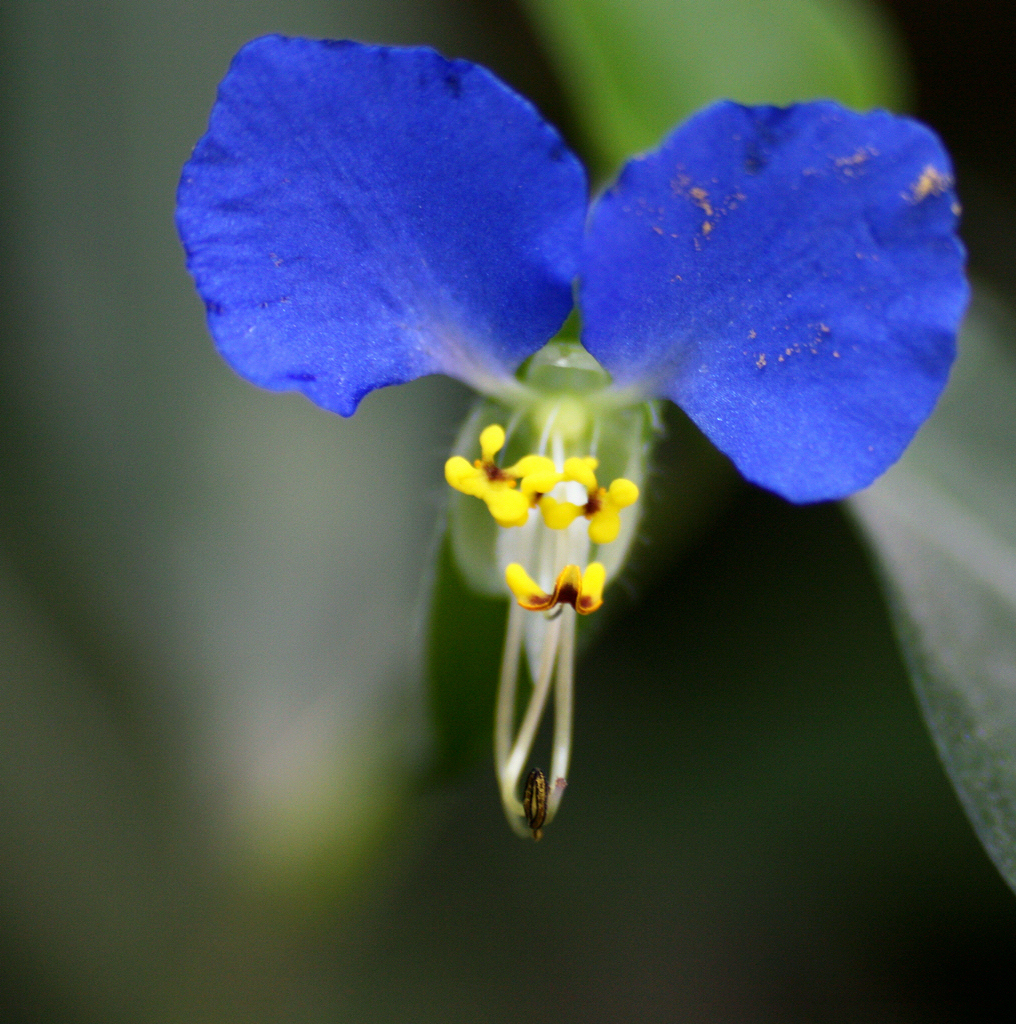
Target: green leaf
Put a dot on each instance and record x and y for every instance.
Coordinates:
(942, 523)
(464, 640)
(635, 68)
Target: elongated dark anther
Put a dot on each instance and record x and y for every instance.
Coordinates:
(534, 802)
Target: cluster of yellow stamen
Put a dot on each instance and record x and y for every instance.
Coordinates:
(602, 507)
(496, 486)
(511, 492)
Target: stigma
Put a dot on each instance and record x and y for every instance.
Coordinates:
(552, 510)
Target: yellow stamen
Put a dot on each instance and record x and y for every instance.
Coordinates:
(536, 484)
(529, 465)
(485, 480)
(601, 508)
(558, 515)
(527, 591)
(510, 492)
(581, 471)
(509, 504)
(591, 595)
(491, 442)
(605, 522)
(459, 473)
(623, 492)
(583, 592)
(509, 508)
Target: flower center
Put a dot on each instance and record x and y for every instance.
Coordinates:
(544, 552)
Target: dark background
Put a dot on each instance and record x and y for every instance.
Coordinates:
(757, 827)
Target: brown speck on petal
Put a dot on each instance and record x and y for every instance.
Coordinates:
(932, 182)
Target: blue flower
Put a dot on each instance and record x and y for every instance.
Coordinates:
(359, 216)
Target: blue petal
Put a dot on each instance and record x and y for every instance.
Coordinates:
(358, 216)
(791, 278)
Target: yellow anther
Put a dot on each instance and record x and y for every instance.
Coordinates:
(509, 508)
(531, 464)
(591, 595)
(480, 482)
(581, 471)
(583, 592)
(491, 442)
(537, 484)
(526, 590)
(461, 474)
(538, 475)
(484, 480)
(558, 515)
(604, 526)
(623, 493)
(603, 508)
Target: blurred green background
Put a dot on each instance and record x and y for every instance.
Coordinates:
(216, 796)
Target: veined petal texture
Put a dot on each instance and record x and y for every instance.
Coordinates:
(792, 279)
(358, 216)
